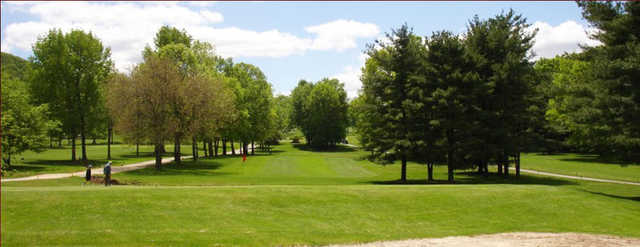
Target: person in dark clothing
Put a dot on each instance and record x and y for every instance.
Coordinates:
(87, 177)
(107, 174)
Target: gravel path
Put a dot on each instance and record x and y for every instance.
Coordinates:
(94, 171)
(527, 239)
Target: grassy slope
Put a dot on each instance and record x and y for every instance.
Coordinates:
(581, 165)
(301, 197)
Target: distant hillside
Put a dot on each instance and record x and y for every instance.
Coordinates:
(13, 66)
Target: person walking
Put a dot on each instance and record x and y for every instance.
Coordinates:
(87, 176)
(107, 174)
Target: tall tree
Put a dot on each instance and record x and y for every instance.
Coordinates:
(447, 108)
(68, 71)
(387, 81)
(499, 47)
(615, 69)
(146, 98)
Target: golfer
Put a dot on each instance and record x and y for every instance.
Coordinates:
(87, 176)
(107, 174)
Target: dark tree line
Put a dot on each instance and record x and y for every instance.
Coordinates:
(448, 99)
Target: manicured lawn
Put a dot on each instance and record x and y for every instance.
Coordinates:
(300, 197)
(581, 165)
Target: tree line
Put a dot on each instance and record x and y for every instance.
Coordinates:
(478, 98)
(466, 101)
(181, 91)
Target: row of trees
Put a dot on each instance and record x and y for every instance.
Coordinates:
(448, 99)
(320, 111)
(478, 98)
(182, 91)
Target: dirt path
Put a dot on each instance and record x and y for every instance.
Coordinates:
(528, 239)
(94, 171)
(575, 177)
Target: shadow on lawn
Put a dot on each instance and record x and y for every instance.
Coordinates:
(633, 198)
(475, 178)
(198, 168)
(594, 158)
(336, 149)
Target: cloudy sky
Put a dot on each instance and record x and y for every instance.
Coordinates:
(289, 41)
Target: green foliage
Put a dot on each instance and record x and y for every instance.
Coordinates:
(170, 35)
(389, 76)
(593, 97)
(320, 111)
(499, 48)
(69, 70)
(14, 67)
(24, 126)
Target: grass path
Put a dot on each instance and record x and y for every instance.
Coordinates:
(575, 177)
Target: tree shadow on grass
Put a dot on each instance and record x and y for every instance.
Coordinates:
(198, 168)
(475, 178)
(142, 155)
(597, 159)
(335, 149)
(633, 198)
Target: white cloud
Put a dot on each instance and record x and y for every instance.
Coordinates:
(341, 34)
(565, 37)
(213, 17)
(128, 27)
(350, 76)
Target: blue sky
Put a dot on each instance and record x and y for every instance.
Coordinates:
(289, 41)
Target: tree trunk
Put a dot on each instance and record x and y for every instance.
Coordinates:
(499, 168)
(84, 147)
(210, 147)
(137, 149)
(506, 169)
(93, 141)
(50, 141)
(430, 172)
(518, 165)
(224, 146)
(162, 148)
(176, 150)
(253, 147)
(450, 165)
(403, 176)
(233, 149)
(215, 152)
(73, 149)
(109, 140)
(158, 153)
(194, 148)
(204, 148)
(60, 142)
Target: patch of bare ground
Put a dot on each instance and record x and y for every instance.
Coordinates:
(511, 239)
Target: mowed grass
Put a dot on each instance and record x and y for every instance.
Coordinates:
(301, 197)
(584, 165)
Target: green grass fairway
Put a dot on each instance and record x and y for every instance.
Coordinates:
(581, 165)
(299, 197)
